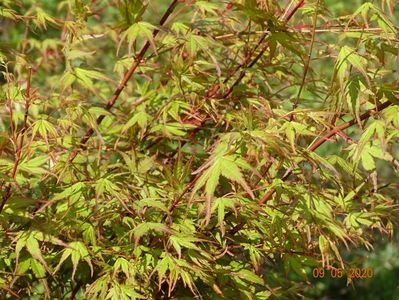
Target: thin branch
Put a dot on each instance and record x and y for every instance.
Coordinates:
(20, 135)
(325, 138)
(302, 30)
(123, 83)
(264, 48)
(216, 88)
(313, 147)
(307, 63)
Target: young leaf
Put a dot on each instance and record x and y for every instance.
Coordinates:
(348, 56)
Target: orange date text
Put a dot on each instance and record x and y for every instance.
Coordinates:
(360, 273)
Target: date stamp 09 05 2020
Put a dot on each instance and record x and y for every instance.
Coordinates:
(351, 273)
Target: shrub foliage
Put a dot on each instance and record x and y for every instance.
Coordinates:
(208, 149)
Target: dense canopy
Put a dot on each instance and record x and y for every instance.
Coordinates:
(182, 149)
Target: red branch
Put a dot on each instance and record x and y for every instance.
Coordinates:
(293, 11)
(124, 81)
(215, 88)
(325, 138)
(260, 54)
(18, 151)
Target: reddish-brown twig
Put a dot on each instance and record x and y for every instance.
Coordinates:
(18, 150)
(216, 88)
(313, 147)
(260, 54)
(123, 83)
(307, 63)
(325, 138)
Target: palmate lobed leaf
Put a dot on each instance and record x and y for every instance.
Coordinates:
(34, 165)
(85, 77)
(140, 29)
(144, 228)
(225, 166)
(229, 169)
(76, 251)
(348, 56)
(44, 128)
(217, 166)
